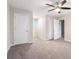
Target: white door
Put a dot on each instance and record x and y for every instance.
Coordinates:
(21, 28)
(57, 29)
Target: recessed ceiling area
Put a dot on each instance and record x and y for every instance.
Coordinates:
(38, 6)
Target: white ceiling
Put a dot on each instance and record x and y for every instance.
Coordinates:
(37, 6)
(28, 4)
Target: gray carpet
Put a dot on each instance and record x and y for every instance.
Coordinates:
(41, 49)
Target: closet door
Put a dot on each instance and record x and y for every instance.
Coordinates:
(21, 28)
(57, 29)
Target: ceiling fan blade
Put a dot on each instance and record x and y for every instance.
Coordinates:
(63, 2)
(65, 8)
(50, 5)
(51, 10)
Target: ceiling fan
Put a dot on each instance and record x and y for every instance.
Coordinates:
(58, 7)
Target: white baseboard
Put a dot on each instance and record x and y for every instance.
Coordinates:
(21, 43)
(68, 40)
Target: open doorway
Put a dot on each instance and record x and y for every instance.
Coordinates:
(35, 26)
(62, 28)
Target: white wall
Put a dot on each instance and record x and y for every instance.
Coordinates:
(10, 25)
(50, 27)
(8, 28)
(53, 27)
(68, 27)
(42, 27)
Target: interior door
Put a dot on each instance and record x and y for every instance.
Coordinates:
(57, 29)
(21, 28)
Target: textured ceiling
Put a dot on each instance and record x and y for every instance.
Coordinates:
(38, 6)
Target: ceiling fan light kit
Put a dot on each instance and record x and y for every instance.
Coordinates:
(57, 10)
